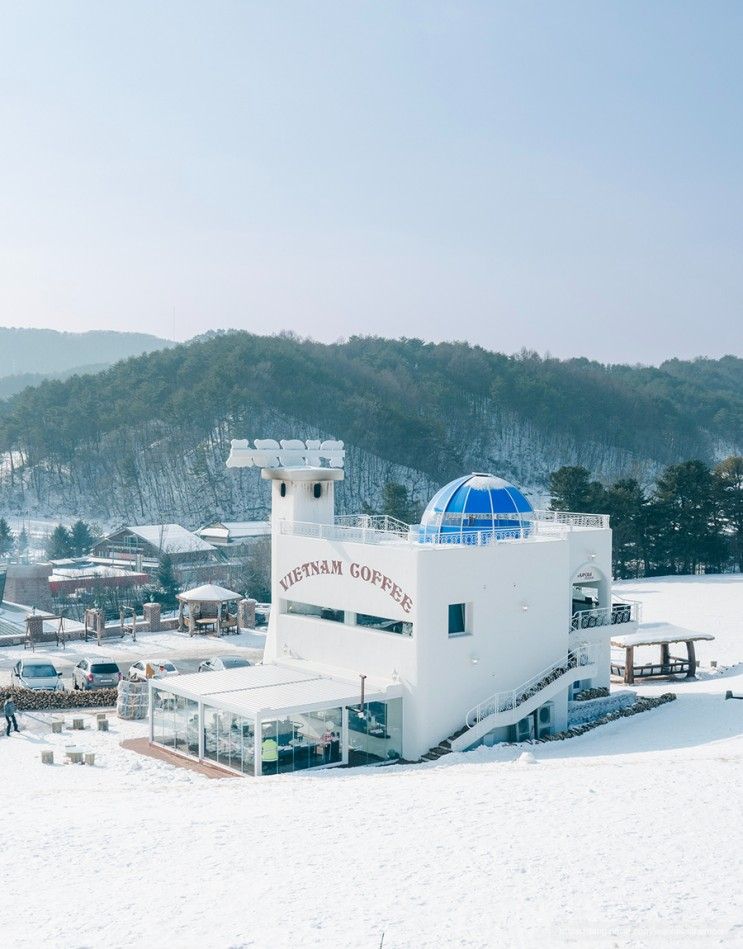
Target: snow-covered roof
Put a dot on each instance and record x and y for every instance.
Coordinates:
(655, 634)
(231, 530)
(209, 593)
(170, 538)
(275, 688)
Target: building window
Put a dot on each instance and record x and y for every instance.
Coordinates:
(457, 619)
(295, 608)
(382, 623)
(385, 625)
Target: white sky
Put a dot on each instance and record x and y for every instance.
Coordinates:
(564, 177)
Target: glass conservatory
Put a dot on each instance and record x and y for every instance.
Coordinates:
(273, 719)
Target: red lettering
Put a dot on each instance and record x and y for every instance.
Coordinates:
(407, 603)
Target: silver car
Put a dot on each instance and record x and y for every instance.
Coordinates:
(223, 662)
(36, 674)
(95, 673)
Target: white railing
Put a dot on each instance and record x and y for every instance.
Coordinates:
(359, 535)
(508, 700)
(377, 522)
(383, 529)
(570, 518)
(618, 613)
(368, 529)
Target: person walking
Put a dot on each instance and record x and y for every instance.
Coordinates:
(9, 709)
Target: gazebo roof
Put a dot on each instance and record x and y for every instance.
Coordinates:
(657, 634)
(209, 593)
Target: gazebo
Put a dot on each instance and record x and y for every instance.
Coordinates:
(208, 607)
(656, 634)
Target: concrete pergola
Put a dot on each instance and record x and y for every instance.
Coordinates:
(211, 597)
(662, 635)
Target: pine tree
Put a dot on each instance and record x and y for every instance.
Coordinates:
(572, 490)
(626, 506)
(59, 545)
(689, 532)
(81, 538)
(729, 481)
(6, 538)
(168, 586)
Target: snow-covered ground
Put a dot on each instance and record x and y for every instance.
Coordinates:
(627, 836)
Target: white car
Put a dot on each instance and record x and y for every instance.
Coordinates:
(161, 669)
(36, 674)
(223, 662)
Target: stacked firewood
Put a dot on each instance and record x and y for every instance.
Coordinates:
(28, 700)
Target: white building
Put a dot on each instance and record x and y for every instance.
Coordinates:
(479, 623)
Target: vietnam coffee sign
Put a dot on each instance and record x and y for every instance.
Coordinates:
(357, 571)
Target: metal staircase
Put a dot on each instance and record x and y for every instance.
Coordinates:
(507, 707)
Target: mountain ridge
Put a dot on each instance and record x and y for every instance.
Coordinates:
(149, 438)
(53, 352)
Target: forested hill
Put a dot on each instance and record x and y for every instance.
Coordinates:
(49, 352)
(148, 438)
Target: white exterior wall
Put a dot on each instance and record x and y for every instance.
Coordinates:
(440, 681)
(510, 643)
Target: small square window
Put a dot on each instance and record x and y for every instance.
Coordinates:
(457, 619)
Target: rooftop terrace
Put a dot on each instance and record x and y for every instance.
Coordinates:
(384, 530)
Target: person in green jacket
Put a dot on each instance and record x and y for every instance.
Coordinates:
(269, 755)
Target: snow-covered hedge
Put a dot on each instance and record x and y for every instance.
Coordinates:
(29, 700)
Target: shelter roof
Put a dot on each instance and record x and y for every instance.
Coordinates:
(657, 634)
(209, 593)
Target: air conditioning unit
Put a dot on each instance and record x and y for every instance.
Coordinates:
(579, 686)
(545, 719)
(523, 730)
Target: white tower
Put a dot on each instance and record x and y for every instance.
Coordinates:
(302, 490)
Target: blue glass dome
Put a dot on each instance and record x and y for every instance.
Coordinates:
(468, 510)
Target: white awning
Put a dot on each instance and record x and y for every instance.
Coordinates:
(658, 634)
(274, 691)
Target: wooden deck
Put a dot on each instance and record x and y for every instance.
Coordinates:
(143, 747)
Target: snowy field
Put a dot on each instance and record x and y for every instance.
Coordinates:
(627, 836)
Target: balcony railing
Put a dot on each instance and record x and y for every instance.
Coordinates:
(570, 518)
(621, 612)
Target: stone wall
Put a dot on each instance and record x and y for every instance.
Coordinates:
(588, 710)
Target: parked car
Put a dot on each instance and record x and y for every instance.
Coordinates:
(94, 673)
(36, 674)
(161, 669)
(217, 663)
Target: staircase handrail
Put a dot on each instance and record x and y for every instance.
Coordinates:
(509, 699)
